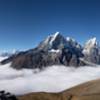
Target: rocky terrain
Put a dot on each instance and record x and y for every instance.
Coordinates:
(57, 50)
(86, 91)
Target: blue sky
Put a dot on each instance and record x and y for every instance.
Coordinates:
(24, 23)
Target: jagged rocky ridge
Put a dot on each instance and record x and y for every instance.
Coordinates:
(57, 50)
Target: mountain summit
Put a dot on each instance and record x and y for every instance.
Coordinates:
(55, 41)
(90, 44)
(58, 42)
(57, 50)
(91, 51)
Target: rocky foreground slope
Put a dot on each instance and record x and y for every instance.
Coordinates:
(86, 91)
(57, 50)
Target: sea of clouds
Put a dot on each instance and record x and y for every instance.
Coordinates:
(51, 79)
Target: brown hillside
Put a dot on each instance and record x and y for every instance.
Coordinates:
(86, 91)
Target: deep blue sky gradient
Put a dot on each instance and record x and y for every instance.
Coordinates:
(24, 23)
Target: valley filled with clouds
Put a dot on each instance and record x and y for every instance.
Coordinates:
(51, 79)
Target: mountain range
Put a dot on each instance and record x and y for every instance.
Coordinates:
(57, 50)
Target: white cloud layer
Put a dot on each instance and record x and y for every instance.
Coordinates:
(52, 79)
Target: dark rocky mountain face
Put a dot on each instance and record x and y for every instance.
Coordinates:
(38, 59)
(41, 59)
(54, 50)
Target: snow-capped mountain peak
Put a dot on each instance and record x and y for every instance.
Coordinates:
(73, 42)
(58, 41)
(54, 37)
(91, 51)
(54, 41)
(51, 38)
(91, 43)
(70, 39)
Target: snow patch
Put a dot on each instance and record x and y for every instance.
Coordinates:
(54, 37)
(2, 58)
(70, 39)
(55, 51)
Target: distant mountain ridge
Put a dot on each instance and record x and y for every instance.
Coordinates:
(7, 54)
(57, 50)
